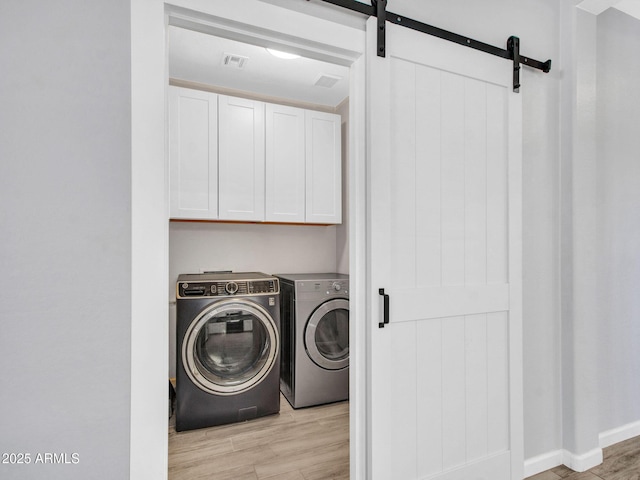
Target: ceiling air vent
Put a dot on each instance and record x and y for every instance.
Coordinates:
(327, 81)
(234, 61)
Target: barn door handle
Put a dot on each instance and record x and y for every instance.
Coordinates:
(385, 309)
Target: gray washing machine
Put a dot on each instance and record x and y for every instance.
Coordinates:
(314, 315)
(228, 344)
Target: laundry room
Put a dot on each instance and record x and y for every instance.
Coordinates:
(256, 193)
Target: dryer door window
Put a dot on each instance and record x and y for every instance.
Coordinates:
(230, 347)
(327, 335)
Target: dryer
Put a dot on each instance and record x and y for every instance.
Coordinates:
(314, 315)
(228, 344)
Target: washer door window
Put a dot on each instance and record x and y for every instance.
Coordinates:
(327, 335)
(230, 347)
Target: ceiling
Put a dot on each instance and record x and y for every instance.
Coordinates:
(596, 7)
(198, 57)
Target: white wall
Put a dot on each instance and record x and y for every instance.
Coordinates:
(65, 236)
(149, 244)
(579, 222)
(619, 222)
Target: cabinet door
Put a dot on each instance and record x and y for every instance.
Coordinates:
(193, 154)
(324, 168)
(285, 164)
(241, 159)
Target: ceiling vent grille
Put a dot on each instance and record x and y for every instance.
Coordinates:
(232, 60)
(327, 81)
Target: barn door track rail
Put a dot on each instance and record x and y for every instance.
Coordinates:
(378, 8)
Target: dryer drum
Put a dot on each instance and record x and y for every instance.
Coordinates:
(327, 335)
(230, 347)
(332, 335)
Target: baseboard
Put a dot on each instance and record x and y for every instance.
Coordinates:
(541, 463)
(619, 434)
(547, 461)
(582, 463)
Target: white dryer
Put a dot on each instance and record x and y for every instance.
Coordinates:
(314, 360)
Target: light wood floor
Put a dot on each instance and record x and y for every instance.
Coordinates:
(305, 444)
(621, 462)
(313, 444)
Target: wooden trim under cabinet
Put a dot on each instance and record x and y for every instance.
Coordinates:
(256, 222)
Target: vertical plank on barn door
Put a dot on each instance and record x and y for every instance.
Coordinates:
(445, 245)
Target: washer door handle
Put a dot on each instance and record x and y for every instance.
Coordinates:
(385, 310)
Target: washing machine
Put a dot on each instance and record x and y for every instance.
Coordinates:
(228, 344)
(314, 315)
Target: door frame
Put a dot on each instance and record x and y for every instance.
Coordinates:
(149, 216)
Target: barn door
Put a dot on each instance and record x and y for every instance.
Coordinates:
(445, 238)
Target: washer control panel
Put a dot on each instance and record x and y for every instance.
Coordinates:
(222, 288)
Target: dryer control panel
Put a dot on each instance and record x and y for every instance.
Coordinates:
(322, 288)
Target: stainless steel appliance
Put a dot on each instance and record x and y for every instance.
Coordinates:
(228, 346)
(314, 314)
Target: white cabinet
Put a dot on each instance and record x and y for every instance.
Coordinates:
(241, 159)
(323, 167)
(193, 150)
(304, 167)
(244, 160)
(285, 164)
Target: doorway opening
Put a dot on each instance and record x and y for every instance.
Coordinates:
(203, 57)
